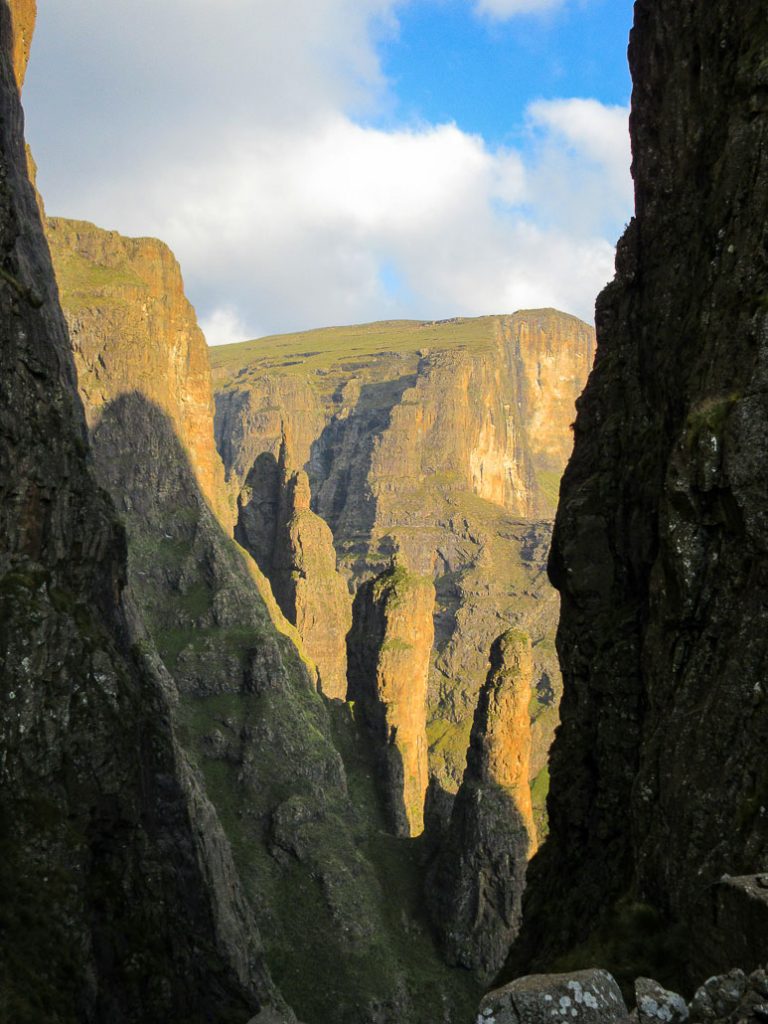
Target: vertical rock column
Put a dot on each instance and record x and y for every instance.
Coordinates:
(389, 649)
(476, 888)
(309, 590)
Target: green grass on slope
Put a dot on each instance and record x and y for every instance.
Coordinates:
(84, 283)
(311, 351)
(539, 794)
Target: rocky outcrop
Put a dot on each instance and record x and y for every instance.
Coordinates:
(659, 782)
(307, 587)
(119, 898)
(388, 649)
(733, 923)
(593, 996)
(585, 997)
(444, 441)
(476, 887)
(734, 996)
(132, 328)
(657, 1005)
(294, 548)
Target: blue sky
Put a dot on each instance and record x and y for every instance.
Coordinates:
(445, 63)
(317, 162)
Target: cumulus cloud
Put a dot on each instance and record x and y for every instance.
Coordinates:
(240, 138)
(579, 176)
(224, 327)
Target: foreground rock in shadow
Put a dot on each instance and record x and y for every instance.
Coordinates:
(659, 773)
(593, 997)
(584, 997)
(119, 897)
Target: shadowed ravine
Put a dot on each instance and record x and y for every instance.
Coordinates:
(301, 779)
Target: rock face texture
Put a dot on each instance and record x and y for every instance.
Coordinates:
(132, 328)
(734, 923)
(119, 898)
(657, 1005)
(659, 777)
(444, 441)
(389, 648)
(299, 820)
(294, 548)
(476, 888)
(23, 15)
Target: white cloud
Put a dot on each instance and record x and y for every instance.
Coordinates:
(579, 174)
(236, 136)
(509, 8)
(224, 327)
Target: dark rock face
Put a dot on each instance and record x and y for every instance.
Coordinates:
(731, 997)
(734, 923)
(476, 888)
(118, 895)
(659, 773)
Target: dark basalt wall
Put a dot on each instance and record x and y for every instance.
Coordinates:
(117, 897)
(659, 771)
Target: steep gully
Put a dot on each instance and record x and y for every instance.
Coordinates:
(247, 713)
(241, 702)
(617, 833)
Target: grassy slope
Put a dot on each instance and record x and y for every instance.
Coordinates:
(309, 352)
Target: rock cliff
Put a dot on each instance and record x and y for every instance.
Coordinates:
(476, 887)
(444, 441)
(300, 820)
(388, 651)
(659, 782)
(119, 897)
(23, 15)
(132, 328)
(294, 548)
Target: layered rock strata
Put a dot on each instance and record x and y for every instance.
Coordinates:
(659, 779)
(389, 647)
(132, 328)
(444, 441)
(119, 898)
(476, 887)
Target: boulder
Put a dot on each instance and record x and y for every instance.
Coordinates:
(656, 1005)
(581, 997)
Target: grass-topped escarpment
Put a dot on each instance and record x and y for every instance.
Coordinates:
(442, 440)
